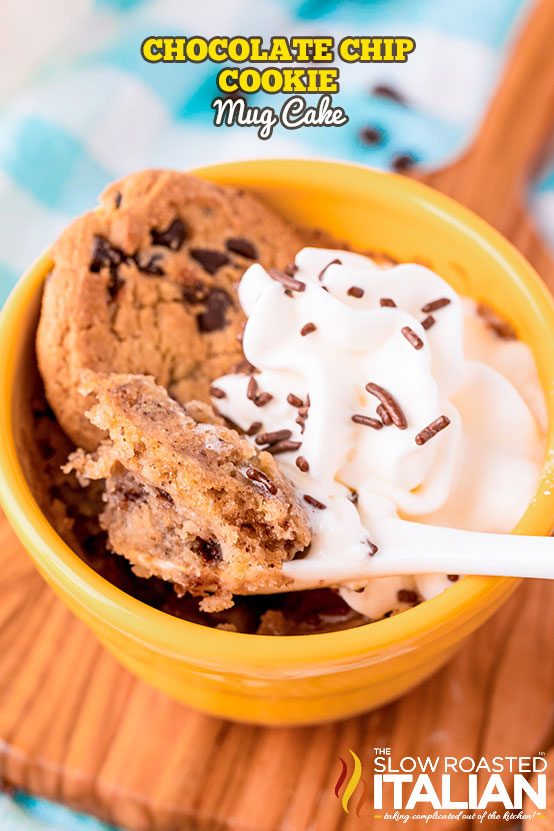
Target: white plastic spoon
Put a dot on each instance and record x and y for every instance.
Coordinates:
(414, 548)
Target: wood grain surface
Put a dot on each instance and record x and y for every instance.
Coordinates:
(77, 728)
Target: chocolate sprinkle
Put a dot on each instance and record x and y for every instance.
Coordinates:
(254, 428)
(307, 329)
(273, 437)
(390, 403)
(412, 338)
(217, 392)
(302, 464)
(355, 291)
(315, 503)
(434, 305)
(283, 446)
(323, 270)
(243, 247)
(288, 282)
(453, 577)
(432, 429)
(427, 322)
(261, 478)
(210, 260)
(303, 414)
(367, 421)
(262, 399)
(117, 200)
(294, 400)
(172, 237)
(373, 549)
(407, 596)
(252, 389)
(387, 301)
(353, 497)
(383, 414)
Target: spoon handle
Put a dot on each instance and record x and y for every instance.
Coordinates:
(414, 548)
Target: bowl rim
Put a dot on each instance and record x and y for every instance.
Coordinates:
(98, 598)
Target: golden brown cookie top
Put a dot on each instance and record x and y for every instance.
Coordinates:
(146, 284)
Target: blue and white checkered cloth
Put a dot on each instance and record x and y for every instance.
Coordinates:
(79, 107)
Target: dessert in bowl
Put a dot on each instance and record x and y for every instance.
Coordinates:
(340, 664)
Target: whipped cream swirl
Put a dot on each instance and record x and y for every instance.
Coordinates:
(383, 391)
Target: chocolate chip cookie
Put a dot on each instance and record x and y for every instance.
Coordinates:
(187, 498)
(146, 283)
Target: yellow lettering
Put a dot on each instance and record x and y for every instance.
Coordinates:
(227, 79)
(151, 49)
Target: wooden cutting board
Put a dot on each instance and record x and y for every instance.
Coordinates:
(77, 728)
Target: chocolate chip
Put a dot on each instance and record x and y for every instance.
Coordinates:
(172, 237)
(105, 255)
(117, 201)
(390, 93)
(149, 264)
(403, 161)
(242, 246)
(114, 284)
(372, 136)
(195, 293)
(214, 316)
(210, 549)
(210, 260)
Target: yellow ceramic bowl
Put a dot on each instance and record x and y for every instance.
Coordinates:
(311, 678)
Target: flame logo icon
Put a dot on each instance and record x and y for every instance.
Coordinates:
(352, 784)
